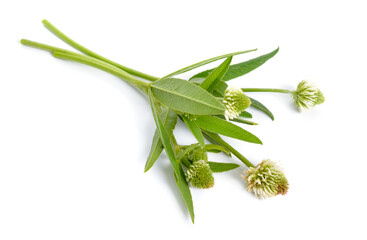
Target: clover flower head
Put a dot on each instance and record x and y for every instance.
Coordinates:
(235, 101)
(307, 95)
(200, 175)
(266, 180)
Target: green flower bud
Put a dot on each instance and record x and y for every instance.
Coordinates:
(307, 96)
(198, 154)
(235, 101)
(200, 175)
(266, 180)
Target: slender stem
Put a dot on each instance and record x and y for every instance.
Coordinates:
(90, 53)
(69, 55)
(266, 90)
(216, 139)
(185, 162)
(199, 64)
(42, 46)
(103, 66)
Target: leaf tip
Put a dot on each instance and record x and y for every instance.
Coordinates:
(193, 219)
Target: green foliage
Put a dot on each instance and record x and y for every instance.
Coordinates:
(202, 63)
(216, 76)
(217, 167)
(246, 114)
(178, 173)
(261, 107)
(186, 151)
(219, 89)
(194, 129)
(240, 69)
(169, 119)
(220, 126)
(183, 186)
(214, 148)
(196, 101)
(184, 96)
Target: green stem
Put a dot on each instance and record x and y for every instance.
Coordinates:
(42, 46)
(266, 90)
(103, 66)
(185, 162)
(69, 55)
(90, 53)
(216, 139)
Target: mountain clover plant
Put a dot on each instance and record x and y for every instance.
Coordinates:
(208, 107)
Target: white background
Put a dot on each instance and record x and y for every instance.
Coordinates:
(74, 140)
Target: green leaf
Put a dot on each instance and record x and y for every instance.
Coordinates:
(261, 107)
(216, 76)
(163, 135)
(220, 126)
(186, 151)
(194, 129)
(222, 167)
(184, 96)
(243, 121)
(169, 119)
(184, 188)
(245, 114)
(239, 120)
(214, 148)
(239, 69)
(177, 168)
(199, 64)
(219, 89)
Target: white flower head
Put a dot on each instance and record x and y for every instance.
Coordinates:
(200, 175)
(266, 180)
(307, 95)
(235, 101)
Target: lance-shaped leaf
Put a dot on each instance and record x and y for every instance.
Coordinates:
(222, 167)
(216, 76)
(244, 121)
(184, 96)
(239, 120)
(220, 126)
(239, 69)
(163, 135)
(210, 60)
(218, 90)
(169, 119)
(261, 107)
(184, 188)
(196, 131)
(177, 169)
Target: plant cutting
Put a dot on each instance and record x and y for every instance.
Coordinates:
(208, 106)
